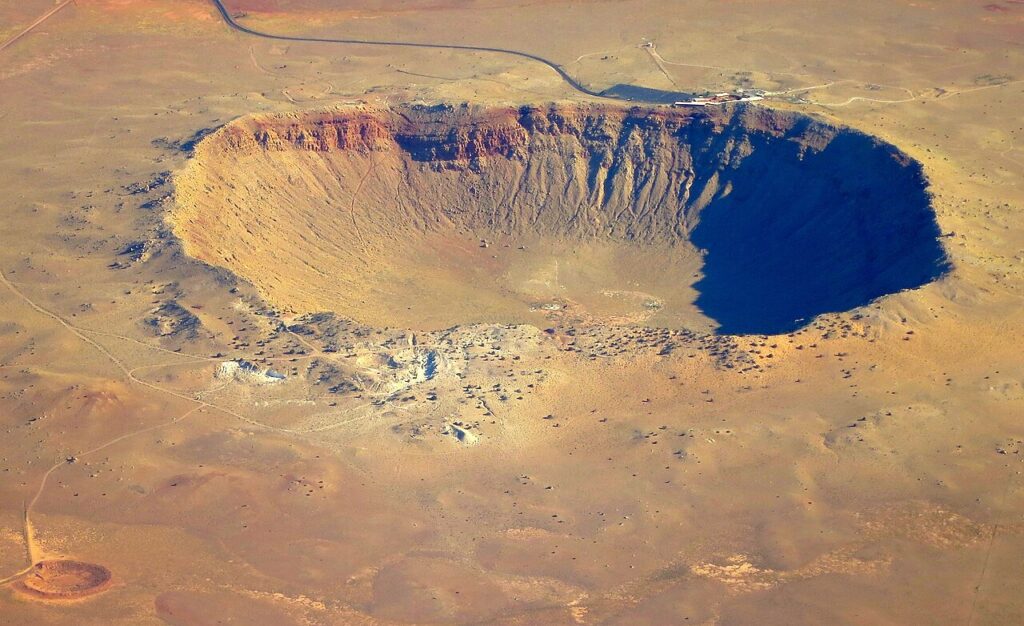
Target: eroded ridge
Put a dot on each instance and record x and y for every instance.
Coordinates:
(764, 219)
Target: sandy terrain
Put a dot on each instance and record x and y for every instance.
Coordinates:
(417, 398)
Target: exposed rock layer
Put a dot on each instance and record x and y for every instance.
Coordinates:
(796, 217)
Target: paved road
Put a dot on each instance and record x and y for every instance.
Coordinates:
(569, 80)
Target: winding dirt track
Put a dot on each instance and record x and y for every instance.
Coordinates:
(569, 80)
(30, 27)
(33, 552)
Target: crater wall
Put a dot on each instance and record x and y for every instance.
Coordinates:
(793, 217)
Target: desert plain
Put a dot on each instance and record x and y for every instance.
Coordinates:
(302, 324)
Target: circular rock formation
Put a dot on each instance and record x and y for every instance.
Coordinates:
(64, 580)
(744, 218)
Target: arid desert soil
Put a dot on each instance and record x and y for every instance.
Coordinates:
(299, 332)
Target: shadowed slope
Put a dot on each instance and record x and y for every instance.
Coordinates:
(833, 230)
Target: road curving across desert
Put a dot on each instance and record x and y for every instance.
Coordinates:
(225, 14)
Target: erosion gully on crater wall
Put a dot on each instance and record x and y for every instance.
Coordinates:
(787, 217)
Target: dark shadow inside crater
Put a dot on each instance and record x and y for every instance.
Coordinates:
(832, 231)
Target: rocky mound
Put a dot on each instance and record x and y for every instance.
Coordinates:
(360, 210)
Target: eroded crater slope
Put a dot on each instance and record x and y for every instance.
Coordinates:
(745, 218)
